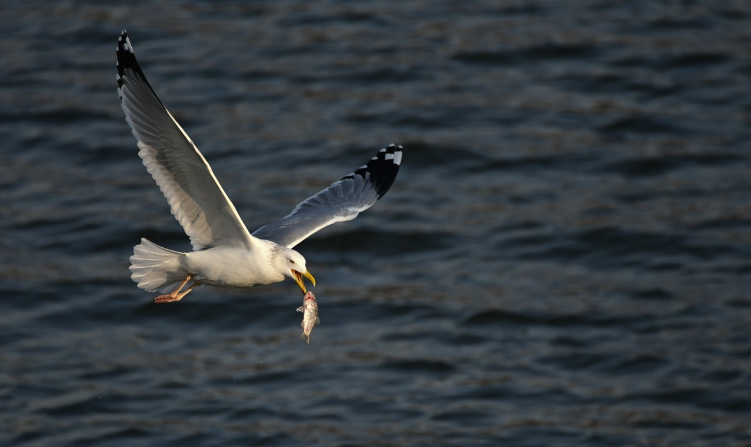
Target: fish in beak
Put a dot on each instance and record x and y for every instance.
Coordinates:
(297, 276)
(310, 318)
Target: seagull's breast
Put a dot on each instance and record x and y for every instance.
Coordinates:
(230, 267)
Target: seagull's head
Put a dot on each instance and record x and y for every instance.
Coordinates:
(294, 267)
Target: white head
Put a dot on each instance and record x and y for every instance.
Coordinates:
(292, 264)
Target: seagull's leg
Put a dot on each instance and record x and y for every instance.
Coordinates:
(175, 295)
(181, 295)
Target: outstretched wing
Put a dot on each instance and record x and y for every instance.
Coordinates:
(341, 201)
(197, 200)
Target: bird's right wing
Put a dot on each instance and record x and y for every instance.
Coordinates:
(196, 198)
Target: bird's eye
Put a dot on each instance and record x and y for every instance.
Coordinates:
(291, 261)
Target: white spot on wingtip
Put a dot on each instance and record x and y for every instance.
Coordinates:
(389, 156)
(126, 47)
(374, 158)
(382, 150)
(398, 158)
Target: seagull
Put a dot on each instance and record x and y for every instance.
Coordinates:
(224, 253)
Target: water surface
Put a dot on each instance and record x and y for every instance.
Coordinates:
(563, 260)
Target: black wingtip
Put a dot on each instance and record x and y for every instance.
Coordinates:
(383, 168)
(126, 58)
(126, 61)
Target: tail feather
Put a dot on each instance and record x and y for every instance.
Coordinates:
(156, 268)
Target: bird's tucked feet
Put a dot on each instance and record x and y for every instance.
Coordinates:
(176, 295)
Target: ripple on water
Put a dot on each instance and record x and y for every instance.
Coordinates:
(562, 261)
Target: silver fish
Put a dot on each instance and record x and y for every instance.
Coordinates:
(310, 318)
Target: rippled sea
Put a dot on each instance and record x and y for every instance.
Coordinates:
(564, 259)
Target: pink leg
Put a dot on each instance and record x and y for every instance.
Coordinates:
(175, 295)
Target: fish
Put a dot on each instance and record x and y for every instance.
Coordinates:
(310, 318)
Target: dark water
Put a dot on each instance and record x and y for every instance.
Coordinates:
(565, 258)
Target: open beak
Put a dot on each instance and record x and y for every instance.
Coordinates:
(298, 279)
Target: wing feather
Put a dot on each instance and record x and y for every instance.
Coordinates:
(195, 196)
(342, 201)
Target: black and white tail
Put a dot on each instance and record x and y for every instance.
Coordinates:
(156, 268)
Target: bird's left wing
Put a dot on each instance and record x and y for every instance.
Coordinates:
(341, 201)
(195, 196)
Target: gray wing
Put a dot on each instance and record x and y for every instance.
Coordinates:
(341, 201)
(196, 198)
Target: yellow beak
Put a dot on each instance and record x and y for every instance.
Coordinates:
(298, 279)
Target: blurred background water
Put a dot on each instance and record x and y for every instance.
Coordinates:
(563, 260)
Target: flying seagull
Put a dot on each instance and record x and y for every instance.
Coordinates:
(224, 253)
